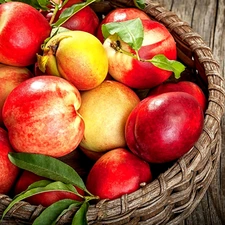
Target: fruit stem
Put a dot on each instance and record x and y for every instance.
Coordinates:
(57, 7)
(116, 46)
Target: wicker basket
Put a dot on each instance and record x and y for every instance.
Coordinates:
(175, 193)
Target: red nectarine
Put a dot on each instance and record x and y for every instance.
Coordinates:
(184, 86)
(137, 73)
(41, 116)
(163, 128)
(22, 32)
(117, 172)
(9, 171)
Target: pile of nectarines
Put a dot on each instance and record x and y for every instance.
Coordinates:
(66, 87)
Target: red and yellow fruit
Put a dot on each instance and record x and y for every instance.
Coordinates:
(22, 32)
(77, 56)
(104, 110)
(10, 77)
(41, 116)
(139, 73)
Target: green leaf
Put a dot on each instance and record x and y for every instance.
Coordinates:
(48, 167)
(51, 214)
(130, 31)
(80, 216)
(35, 189)
(37, 4)
(140, 4)
(162, 62)
(57, 30)
(70, 11)
(40, 183)
(71, 207)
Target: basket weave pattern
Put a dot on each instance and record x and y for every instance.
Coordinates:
(175, 193)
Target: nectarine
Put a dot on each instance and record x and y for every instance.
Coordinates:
(9, 172)
(139, 73)
(41, 116)
(104, 110)
(10, 77)
(22, 32)
(117, 172)
(77, 56)
(163, 128)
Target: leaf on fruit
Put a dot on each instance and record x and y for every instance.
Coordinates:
(140, 4)
(48, 167)
(37, 188)
(80, 216)
(52, 213)
(130, 31)
(70, 11)
(162, 62)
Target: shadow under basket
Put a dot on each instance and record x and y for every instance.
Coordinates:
(176, 192)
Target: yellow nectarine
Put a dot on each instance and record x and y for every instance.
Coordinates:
(104, 110)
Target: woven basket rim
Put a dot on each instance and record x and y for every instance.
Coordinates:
(165, 193)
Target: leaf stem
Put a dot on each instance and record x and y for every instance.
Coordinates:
(117, 48)
(89, 198)
(160, 60)
(56, 8)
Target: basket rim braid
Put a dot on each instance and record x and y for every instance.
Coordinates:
(172, 196)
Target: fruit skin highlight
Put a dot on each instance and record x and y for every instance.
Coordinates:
(41, 116)
(23, 30)
(77, 56)
(116, 173)
(163, 128)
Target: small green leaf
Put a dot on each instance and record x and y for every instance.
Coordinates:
(162, 62)
(80, 216)
(70, 11)
(3, 1)
(37, 4)
(53, 186)
(72, 206)
(51, 214)
(57, 30)
(130, 31)
(140, 4)
(48, 167)
(40, 183)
